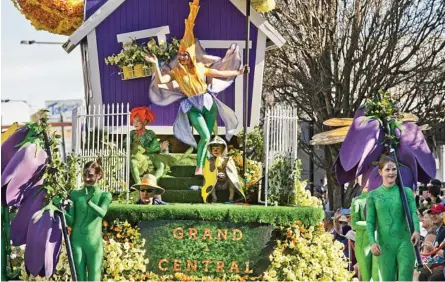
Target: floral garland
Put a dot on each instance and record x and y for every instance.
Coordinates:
(55, 16)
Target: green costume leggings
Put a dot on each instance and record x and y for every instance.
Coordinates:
(203, 121)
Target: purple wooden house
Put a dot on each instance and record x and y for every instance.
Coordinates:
(220, 23)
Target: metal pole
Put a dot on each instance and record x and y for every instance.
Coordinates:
(246, 87)
(311, 159)
(63, 139)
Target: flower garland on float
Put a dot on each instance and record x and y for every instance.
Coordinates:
(56, 16)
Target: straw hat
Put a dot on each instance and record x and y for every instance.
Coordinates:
(149, 182)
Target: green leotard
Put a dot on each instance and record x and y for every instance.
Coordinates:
(385, 212)
(144, 147)
(367, 262)
(90, 205)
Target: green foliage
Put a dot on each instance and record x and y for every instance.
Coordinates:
(216, 212)
(166, 243)
(133, 53)
(130, 55)
(285, 186)
(281, 180)
(254, 143)
(165, 52)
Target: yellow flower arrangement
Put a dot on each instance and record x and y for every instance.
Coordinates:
(307, 254)
(253, 168)
(55, 16)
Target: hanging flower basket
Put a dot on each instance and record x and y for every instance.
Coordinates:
(136, 71)
(131, 58)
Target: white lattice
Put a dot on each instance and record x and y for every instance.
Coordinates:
(101, 132)
(280, 136)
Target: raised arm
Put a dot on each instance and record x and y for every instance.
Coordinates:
(227, 73)
(160, 79)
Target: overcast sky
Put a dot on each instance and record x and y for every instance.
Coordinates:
(34, 73)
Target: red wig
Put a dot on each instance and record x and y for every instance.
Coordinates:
(144, 113)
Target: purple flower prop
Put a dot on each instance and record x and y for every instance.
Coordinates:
(364, 145)
(10, 146)
(43, 243)
(23, 172)
(31, 204)
(23, 167)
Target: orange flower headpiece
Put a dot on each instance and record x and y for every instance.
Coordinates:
(187, 43)
(144, 113)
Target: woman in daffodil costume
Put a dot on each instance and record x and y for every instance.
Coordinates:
(194, 78)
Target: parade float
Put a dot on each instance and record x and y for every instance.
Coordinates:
(46, 202)
(185, 240)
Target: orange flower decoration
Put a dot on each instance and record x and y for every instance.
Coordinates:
(144, 113)
(56, 16)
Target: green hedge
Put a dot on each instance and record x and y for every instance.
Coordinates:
(216, 212)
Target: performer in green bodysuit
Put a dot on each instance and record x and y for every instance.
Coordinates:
(367, 262)
(394, 243)
(144, 145)
(90, 205)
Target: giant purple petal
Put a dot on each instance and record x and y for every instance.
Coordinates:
(408, 177)
(9, 147)
(31, 204)
(38, 235)
(406, 157)
(412, 138)
(366, 163)
(53, 245)
(342, 175)
(359, 142)
(374, 180)
(23, 171)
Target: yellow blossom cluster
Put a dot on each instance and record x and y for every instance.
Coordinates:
(253, 168)
(307, 254)
(303, 197)
(263, 6)
(56, 16)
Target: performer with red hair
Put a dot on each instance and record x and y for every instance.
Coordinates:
(145, 146)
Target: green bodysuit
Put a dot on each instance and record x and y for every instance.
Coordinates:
(367, 262)
(90, 205)
(385, 211)
(143, 148)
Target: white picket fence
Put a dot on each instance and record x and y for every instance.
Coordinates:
(101, 132)
(280, 137)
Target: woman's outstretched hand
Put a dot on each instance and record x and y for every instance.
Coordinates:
(151, 59)
(244, 69)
